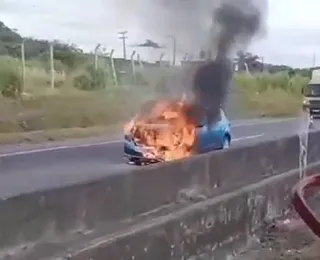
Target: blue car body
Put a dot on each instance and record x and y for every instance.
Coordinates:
(208, 138)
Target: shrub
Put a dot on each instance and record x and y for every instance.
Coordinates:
(92, 79)
(69, 59)
(82, 82)
(10, 78)
(271, 95)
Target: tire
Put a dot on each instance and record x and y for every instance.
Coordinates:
(226, 143)
(134, 161)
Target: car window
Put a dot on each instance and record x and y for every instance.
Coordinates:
(312, 90)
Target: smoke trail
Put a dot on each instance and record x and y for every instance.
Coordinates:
(220, 26)
(234, 25)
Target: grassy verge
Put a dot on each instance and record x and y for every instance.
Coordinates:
(89, 108)
(41, 114)
(67, 113)
(34, 137)
(271, 95)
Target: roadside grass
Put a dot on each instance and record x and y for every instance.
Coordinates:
(50, 135)
(271, 95)
(64, 108)
(44, 114)
(65, 114)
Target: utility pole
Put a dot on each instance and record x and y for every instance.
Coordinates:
(23, 63)
(314, 60)
(96, 56)
(123, 37)
(174, 48)
(262, 65)
(52, 65)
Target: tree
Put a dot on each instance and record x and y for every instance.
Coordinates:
(69, 59)
(10, 43)
(248, 60)
(241, 60)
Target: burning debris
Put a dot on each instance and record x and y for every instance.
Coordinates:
(232, 25)
(166, 132)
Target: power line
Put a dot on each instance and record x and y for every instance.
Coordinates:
(123, 37)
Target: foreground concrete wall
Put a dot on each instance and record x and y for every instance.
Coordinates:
(50, 221)
(215, 228)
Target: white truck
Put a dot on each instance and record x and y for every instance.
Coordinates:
(311, 94)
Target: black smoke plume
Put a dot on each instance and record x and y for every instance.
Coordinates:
(221, 27)
(236, 23)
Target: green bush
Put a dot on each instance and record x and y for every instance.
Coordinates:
(264, 82)
(271, 95)
(57, 64)
(82, 82)
(92, 79)
(10, 78)
(69, 59)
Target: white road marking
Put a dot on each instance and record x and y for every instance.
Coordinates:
(65, 147)
(246, 137)
(271, 121)
(57, 148)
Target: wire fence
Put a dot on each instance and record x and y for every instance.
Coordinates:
(53, 66)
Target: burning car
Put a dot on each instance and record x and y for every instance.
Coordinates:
(172, 129)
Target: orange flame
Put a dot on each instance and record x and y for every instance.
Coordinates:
(165, 132)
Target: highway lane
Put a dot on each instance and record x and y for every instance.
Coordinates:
(40, 168)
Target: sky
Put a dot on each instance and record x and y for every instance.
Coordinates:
(291, 37)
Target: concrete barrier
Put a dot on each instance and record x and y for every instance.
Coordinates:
(216, 228)
(39, 224)
(313, 146)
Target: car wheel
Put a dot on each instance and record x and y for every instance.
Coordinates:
(226, 143)
(134, 161)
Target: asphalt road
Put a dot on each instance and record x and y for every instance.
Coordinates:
(29, 168)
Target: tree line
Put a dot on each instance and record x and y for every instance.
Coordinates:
(11, 40)
(70, 54)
